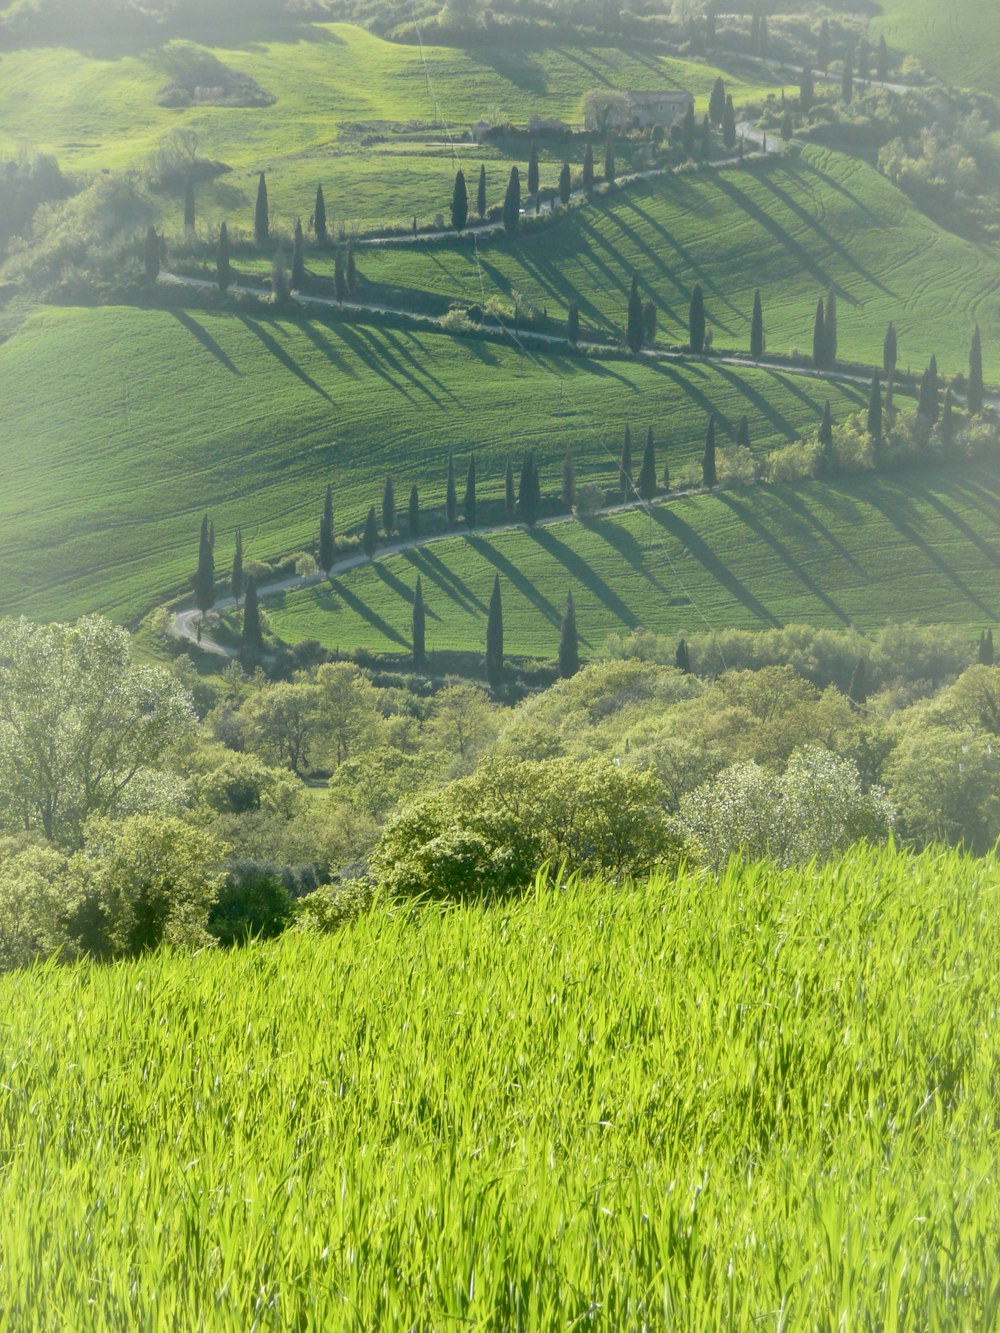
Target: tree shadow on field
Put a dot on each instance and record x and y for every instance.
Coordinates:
(967, 531)
(401, 589)
(510, 572)
(627, 546)
(278, 352)
(812, 170)
(687, 386)
(366, 613)
(515, 66)
(585, 574)
(427, 563)
(205, 338)
(669, 519)
(324, 345)
(786, 240)
(790, 497)
(363, 350)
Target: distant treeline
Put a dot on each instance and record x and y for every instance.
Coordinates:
(41, 20)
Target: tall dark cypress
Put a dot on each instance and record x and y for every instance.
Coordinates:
(529, 493)
(459, 202)
(819, 336)
(509, 498)
(987, 653)
(512, 203)
(830, 328)
(326, 533)
(665, 480)
(705, 145)
(298, 257)
(236, 578)
(757, 343)
(625, 467)
(261, 214)
(948, 420)
(189, 218)
(588, 171)
(151, 255)
(252, 634)
(633, 327)
(469, 499)
(743, 431)
(351, 271)
(534, 178)
(413, 514)
(569, 641)
(339, 277)
(974, 394)
(682, 659)
(823, 47)
(826, 437)
(696, 320)
(573, 322)
(927, 402)
(450, 494)
(708, 473)
(481, 193)
(569, 480)
(875, 409)
(389, 506)
(494, 638)
(565, 185)
(204, 579)
(688, 131)
(857, 691)
(647, 473)
(369, 536)
(609, 164)
(418, 626)
(847, 79)
(882, 61)
(807, 90)
(319, 215)
(729, 125)
(223, 267)
(889, 350)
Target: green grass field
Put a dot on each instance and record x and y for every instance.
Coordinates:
(922, 546)
(336, 86)
(957, 41)
(763, 1102)
(792, 227)
(121, 427)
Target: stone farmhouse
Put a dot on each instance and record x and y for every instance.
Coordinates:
(664, 108)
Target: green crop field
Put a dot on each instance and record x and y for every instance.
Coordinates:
(121, 427)
(762, 1101)
(924, 546)
(793, 227)
(957, 41)
(343, 99)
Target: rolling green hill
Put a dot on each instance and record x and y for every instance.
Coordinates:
(121, 427)
(922, 546)
(957, 41)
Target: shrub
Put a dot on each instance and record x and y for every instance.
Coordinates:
(252, 904)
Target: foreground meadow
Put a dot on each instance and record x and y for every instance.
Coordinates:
(765, 1100)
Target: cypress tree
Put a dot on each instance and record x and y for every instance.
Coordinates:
(469, 499)
(755, 30)
(569, 480)
(261, 216)
(729, 125)
(252, 634)
(625, 466)
(927, 403)
(857, 691)
(369, 537)
(204, 579)
(826, 437)
(529, 493)
(512, 203)
(569, 641)
(882, 61)
(807, 91)
(609, 164)
(687, 131)
(418, 626)
(948, 420)
(280, 283)
(743, 432)
(326, 546)
(481, 193)
(974, 393)
(450, 494)
(717, 102)
(633, 326)
(189, 218)
(847, 82)
(509, 500)
(875, 410)
(987, 658)
(665, 480)
(757, 343)
(459, 202)
(339, 277)
(298, 257)
(696, 320)
(889, 350)
(706, 140)
(565, 185)
(830, 328)
(319, 216)
(819, 336)
(682, 661)
(534, 178)
(588, 171)
(236, 579)
(351, 272)
(413, 514)
(494, 638)
(823, 47)
(573, 322)
(649, 323)
(708, 473)
(647, 473)
(864, 53)
(223, 267)
(762, 39)
(151, 255)
(389, 506)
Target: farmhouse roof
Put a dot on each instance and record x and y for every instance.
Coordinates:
(643, 98)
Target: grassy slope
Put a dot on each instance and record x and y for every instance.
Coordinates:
(688, 1106)
(96, 112)
(792, 228)
(957, 41)
(924, 546)
(121, 427)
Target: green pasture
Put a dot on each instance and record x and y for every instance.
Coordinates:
(957, 41)
(122, 427)
(766, 1100)
(923, 546)
(794, 227)
(344, 97)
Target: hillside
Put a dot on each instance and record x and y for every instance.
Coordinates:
(922, 546)
(957, 42)
(123, 426)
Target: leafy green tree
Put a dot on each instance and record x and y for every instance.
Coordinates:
(819, 336)
(569, 641)
(647, 473)
(534, 180)
(609, 163)
(974, 392)
(327, 550)
(298, 258)
(565, 185)
(204, 578)
(223, 267)
(717, 102)
(874, 421)
(83, 727)
(696, 320)
(319, 216)
(633, 326)
(826, 437)
(450, 494)
(529, 491)
(509, 500)
(807, 91)
(512, 203)
(889, 350)
(688, 131)
(729, 125)
(494, 638)
(481, 194)
(625, 466)
(39, 902)
(418, 626)
(459, 202)
(369, 535)
(189, 216)
(413, 514)
(573, 322)
(151, 255)
(236, 579)
(569, 480)
(830, 329)
(469, 499)
(252, 904)
(389, 506)
(708, 472)
(588, 171)
(757, 343)
(252, 634)
(946, 784)
(927, 402)
(261, 215)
